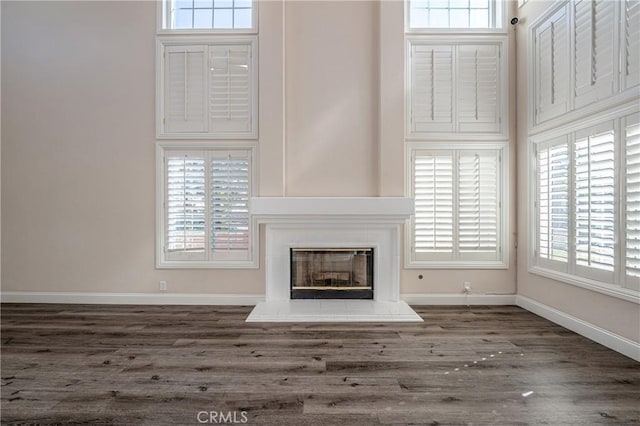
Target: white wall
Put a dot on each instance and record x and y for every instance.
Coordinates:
(78, 167)
(331, 98)
(612, 314)
(78, 164)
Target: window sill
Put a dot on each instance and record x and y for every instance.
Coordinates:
(176, 264)
(597, 286)
(421, 264)
(456, 31)
(190, 31)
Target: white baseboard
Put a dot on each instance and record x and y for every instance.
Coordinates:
(459, 299)
(600, 335)
(131, 298)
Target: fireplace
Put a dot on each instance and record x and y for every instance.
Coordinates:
(331, 273)
(350, 232)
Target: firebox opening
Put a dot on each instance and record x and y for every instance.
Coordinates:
(331, 273)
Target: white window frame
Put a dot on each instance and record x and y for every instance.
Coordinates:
(499, 19)
(503, 86)
(620, 286)
(503, 221)
(166, 41)
(162, 13)
(161, 259)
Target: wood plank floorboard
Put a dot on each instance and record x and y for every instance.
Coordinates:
(157, 365)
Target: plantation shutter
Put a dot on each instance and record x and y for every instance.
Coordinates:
(632, 207)
(595, 52)
(229, 201)
(185, 88)
(478, 93)
(433, 182)
(431, 88)
(553, 202)
(479, 206)
(594, 203)
(631, 43)
(230, 88)
(185, 208)
(552, 66)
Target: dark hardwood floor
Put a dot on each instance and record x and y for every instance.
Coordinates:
(169, 364)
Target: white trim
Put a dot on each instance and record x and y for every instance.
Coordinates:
(619, 111)
(459, 299)
(589, 284)
(599, 335)
(130, 298)
(161, 263)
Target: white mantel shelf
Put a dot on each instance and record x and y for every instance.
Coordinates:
(385, 209)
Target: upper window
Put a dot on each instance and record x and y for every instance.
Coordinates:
(459, 219)
(210, 15)
(455, 14)
(456, 86)
(207, 87)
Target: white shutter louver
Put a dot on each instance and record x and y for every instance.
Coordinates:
(230, 96)
(552, 66)
(631, 43)
(433, 193)
(479, 207)
(594, 203)
(553, 201)
(458, 212)
(208, 88)
(431, 88)
(185, 206)
(229, 201)
(594, 52)
(632, 189)
(184, 91)
(478, 94)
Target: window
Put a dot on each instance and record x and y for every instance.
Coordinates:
(207, 87)
(631, 129)
(456, 86)
(579, 220)
(594, 202)
(585, 57)
(455, 14)
(553, 202)
(229, 15)
(460, 215)
(204, 207)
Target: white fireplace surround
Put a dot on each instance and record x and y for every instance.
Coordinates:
(332, 223)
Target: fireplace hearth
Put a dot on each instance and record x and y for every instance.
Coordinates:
(334, 273)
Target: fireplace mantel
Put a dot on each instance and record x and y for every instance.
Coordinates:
(332, 222)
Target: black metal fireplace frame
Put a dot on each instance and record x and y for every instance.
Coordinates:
(347, 294)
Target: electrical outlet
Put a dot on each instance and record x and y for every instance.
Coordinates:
(162, 285)
(467, 287)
